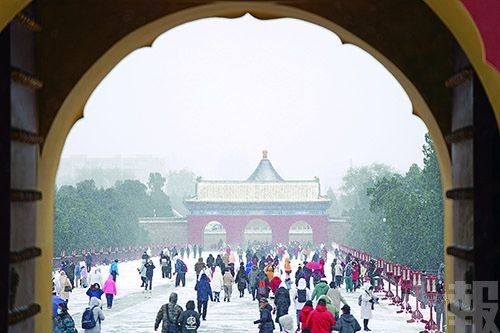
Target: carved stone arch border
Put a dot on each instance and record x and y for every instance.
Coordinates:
(72, 110)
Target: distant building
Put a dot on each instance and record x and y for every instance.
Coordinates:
(264, 207)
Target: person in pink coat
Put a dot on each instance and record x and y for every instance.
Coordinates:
(110, 290)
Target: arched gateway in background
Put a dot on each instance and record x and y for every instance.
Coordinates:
(264, 196)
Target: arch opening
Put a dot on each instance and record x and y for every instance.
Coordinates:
(257, 231)
(301, 232)
(72, 109)
(214, 235)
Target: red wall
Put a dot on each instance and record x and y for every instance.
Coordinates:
(235, 226)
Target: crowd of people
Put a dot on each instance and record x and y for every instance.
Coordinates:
(263, 271)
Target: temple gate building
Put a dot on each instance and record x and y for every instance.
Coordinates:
(264, 207)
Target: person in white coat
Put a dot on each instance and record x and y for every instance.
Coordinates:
(367, 301)
(216, 283)
(300, 296)
(96, 277)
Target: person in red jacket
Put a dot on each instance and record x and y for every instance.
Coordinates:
(304, 314)
(320, 320)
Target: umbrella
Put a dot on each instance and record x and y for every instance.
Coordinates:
(314, 265)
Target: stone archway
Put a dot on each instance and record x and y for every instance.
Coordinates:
(301, 232)
(214, 234)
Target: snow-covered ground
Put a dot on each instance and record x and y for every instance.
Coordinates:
(133, 312)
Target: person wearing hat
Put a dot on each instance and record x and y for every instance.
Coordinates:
(63, 323)
(347, 323)
(189, 319)
(265, 322)
(56, 300)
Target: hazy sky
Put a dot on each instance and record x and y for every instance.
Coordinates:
(212, 94)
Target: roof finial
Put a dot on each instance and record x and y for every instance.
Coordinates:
(264, 154)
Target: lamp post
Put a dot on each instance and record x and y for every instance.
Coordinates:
(430, 288)
(405, 285)
(389, 271)
(416, 278)
(397, 276)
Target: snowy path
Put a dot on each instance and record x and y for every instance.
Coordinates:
(133, 312)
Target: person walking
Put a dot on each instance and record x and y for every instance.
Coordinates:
(241, 279)
(169, 315)
(95, 305)
(320, 290)
(110, 290)
(88, 261)
(96, 277)
(347, 323)
(339, 272)
(189, 319)
(348, 277)
(366, 306)
(335, 296)
(198, 267)
(149, 275)
(228, 281)
(84, 283)
(320, 320)
(304, 315)
(216, 283)
(282, 302)
(113, 269)
(70, 273)
(166, 267)
(78, 275)
(204, 292)
(63, 323)
(262, 286)
(65, 286)
(265, 322)
(300, 296)
(180, 271)
(94, 291)
(252, 281)
(56, 300)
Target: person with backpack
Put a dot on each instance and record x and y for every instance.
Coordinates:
(110, 290)
(93, 316)
(262, 286)
(189, 319)
(63, 323)
(265, 322)
(300, 295)
(347, 323)
(204, 292)
(180, 272)
(241, 279)
(169, 314)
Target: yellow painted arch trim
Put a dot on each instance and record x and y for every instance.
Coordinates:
(9, 9)
(72, 109)
(460, 23)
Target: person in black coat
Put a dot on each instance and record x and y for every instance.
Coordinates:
(265, 322)
(241, 279)
(189, 319)
(149, 274)
(282, 302)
